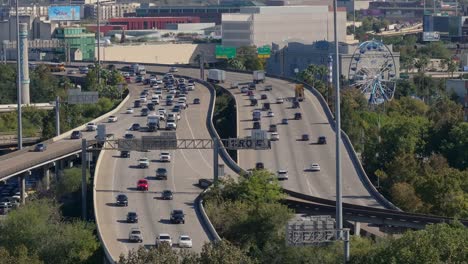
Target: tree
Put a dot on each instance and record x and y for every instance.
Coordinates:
(223, 252)
(421, 64)
(235, 64)
(160, 255)
(455, 146)
(19, 256)
(404, 196)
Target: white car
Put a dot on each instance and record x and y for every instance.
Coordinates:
(244, 90)
(143, 163)
(172, 91)
(165, 157)
(190, 87)
(314, 167)
(163, 238)
(129, 110)
(279, 100)
(252, 97)
(155, 101)
(270, 114)
(282, 175)
(171, 126)
(112, 119)
(91, 126)
(159, 81)
(182, 98)
(143, 99)
(182, 104)
(274, 136)
(173, 69)
(162, 111)
(173, 116)
(185, 241)
(135, 235)
(155, 96)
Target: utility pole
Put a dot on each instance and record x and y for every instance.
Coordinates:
(98, 42)
(202, 65)
(18, 80)
(57, 116)
(339, 209)
(83, 179)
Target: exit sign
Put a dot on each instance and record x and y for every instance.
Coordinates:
(225, 52)
(264, 52)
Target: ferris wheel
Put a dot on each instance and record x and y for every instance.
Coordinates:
(372, 70)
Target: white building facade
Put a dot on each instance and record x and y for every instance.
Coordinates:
(265, 25)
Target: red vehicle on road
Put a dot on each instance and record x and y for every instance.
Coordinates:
(142, 185)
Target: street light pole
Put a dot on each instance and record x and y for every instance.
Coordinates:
(18, 80)
(98, 42)
(339, 209)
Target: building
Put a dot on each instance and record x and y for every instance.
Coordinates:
(8, 27)
(109, 10)
(297, 55)
(207, 14)
(106, 28)
(138, 23)
(261, 26)
(459, 87)
(452, 28)
(406, 10)
(79, 42)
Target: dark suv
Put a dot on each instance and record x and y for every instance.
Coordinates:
(256, 125)
(121, 200)
(297, 116)
(322, 140)
(259, 166)
(75, 134)
(132, 217)
(161, 173)
(177, 217)
(167, 195)
(125, 154)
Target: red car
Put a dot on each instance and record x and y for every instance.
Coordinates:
(249, 93)
(142, 185)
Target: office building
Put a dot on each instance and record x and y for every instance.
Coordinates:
(109, 10)
(81, 43)
(207, 14)
(261, 26)
(452, 28)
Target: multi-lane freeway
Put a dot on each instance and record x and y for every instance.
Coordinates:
(117, 175)
(290, 152)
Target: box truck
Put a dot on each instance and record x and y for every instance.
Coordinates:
(259, 76)
(216, 76)
(153, 122)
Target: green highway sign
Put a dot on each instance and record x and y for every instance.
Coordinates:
(264, 52)
(225, 52)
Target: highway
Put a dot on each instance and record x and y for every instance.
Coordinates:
(117, 175)
(289, 152)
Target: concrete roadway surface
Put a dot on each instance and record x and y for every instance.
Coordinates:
(119, 175)
(289, 152)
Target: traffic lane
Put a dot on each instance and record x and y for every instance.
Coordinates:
(186, 181)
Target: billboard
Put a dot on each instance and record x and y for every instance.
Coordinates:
(431, 36)
(64, 13)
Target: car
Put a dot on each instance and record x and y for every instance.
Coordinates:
(121, 200)
(129, 136)
(142, 185)
(169, 102)
(273, 128)
(132, 217)
(144, 111)
(322, 140)
(165, 157)
(172, 117)
(155, 101)
(177, 217)
(167, 195)
(161, 173)
(282, 175)
(284, 121)
(279, 100)
(252, 97)
(257, 125)
(305, 137)
(266, 107)
(295, 104)
(190, 87)
(268, 87)
(297, 116)
(83, 69)
(137, 104)
(314, 167)
(253, 102)
(270, 114)
(129, 110)
(91, 126)
(40, 147)
(143, 163)
(185, 241)
(150, 106)
(259, 166)
(205, 183)
(250, 93)
(135, 127)
(139, 79)
(263, 97)
(173, 69)
(163, 238)
(171, 126)
(112, 119)
(5, 204)
(72, 72)
(274, 136)
(244, 90)
(135, 235)
(76, 134)
(252, 86)
(143, 99)
(125, 154)
(162, 111)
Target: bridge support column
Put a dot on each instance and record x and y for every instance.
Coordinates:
(357, 228)
(22, 184)
(215, 160)
(46, 177)
(83, 179)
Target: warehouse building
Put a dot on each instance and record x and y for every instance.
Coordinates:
(266, 25)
